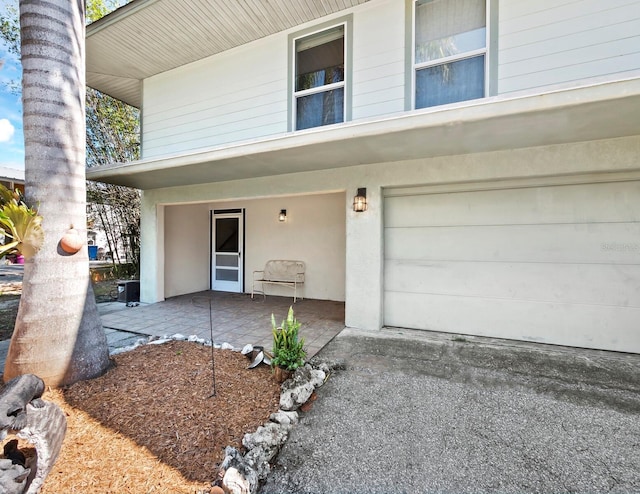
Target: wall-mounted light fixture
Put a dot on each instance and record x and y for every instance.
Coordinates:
(360, 200)
(283, 215)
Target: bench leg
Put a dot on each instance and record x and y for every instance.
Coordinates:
(253, 290)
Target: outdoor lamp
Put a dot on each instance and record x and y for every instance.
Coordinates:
(360, 200)
(283, 215)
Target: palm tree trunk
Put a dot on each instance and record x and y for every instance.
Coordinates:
(58, 334)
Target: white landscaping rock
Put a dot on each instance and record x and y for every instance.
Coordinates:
(296, 390)
(196, 339)
(285, 418)
(160, 341)
(235, 483)
(239, 476)
(260, 460)
(317, 377)
(270, 434)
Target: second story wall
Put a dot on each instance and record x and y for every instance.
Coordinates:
(245, 93)
(237, 95)
(378, 61)
(549, 42)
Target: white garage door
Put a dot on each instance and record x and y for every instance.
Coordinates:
(557, 264)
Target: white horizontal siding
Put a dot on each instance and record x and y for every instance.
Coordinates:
(378, 59)
(550, 42)
(234, 96)
(241, 94)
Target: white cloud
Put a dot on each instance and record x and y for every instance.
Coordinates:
(6, 130)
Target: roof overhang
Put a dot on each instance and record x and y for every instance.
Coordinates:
(148, 37)
(593, 112)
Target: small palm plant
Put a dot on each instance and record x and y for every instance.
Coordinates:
(288, 349)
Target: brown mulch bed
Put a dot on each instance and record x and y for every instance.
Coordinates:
(150, 425)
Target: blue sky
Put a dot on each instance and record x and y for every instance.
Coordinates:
(11, 139)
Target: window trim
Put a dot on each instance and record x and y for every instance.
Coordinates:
(489, 51)
(292, 94)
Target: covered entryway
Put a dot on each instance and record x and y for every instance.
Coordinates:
(553, 264)
(218, 245)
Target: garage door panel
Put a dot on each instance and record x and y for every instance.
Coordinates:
(558, 204)
(602, 284)
(591, 326)
(560, 243)
(557, 264)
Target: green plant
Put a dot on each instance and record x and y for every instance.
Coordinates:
(288, 349)
(20, 224)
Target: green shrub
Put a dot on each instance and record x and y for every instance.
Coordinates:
(288, 350)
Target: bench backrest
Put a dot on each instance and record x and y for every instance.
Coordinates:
(281, 270)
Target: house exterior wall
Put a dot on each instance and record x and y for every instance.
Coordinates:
(238, 95)
(242, 95)
(546, 43)
(314, 232)
(378, 61)
(584, 162)
(186, 249)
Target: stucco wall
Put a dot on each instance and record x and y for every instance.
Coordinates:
(585, 162)
(186, 249)
(314, 232)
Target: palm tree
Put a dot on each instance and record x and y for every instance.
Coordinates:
(58, 334)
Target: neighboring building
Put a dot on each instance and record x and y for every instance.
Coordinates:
(12, 178)
(498, 143)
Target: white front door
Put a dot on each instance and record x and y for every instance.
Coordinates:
(227, 241)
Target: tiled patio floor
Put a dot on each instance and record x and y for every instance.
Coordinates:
(235, 319)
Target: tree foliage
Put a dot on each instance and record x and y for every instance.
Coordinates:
(20, 224)
(113, 130)
(10, 29)
(113, 137)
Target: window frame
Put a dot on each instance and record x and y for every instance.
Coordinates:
(347, 23)
(490, 37)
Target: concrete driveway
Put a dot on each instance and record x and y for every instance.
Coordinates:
(421, 412)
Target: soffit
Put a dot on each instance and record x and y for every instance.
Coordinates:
(148, 37)
(596, 112)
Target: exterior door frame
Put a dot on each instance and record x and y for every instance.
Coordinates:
(225, 285)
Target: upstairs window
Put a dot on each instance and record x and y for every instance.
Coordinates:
(450, 51)
(319, 86)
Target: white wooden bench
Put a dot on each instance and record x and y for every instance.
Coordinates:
(279, 272)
